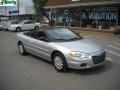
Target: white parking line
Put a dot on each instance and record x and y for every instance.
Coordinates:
(114, 53)
(117, 44)
(109, 59)
(113, 47)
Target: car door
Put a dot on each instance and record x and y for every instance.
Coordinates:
(37, 47)
(31, 24)
(42, 49)
(25, 25)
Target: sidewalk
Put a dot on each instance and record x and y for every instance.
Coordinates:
(90, 30)
(93, 31)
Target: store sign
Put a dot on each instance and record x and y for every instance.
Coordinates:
(8, 2)
(101, 14)
(14, 12)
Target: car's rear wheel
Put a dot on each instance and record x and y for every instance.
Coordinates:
(115, 32)
(36, 28)
(59, 62)
(21, 49)
(18, 29)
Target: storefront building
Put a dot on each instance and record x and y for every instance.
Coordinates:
(84, 13)
(23, 13)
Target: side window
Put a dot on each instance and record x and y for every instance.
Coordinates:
(27, 34)
(27, 22)
(31, 22)
(31, 34)
(37, 35)
(15, 22)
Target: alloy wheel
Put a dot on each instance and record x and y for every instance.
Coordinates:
(58, 62)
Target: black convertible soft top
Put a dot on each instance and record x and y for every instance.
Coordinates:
(35, 34)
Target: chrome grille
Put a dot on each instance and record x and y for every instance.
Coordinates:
(99, 59)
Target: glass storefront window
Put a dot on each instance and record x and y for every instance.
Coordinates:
(91, 17)
(66, 16)
(96, 16)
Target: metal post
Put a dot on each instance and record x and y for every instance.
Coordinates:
(55, 18)
(80, 18)
(0, 11)
(18, 4)
(117, 21)
(5, 14)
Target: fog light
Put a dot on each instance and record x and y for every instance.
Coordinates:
(83, 65)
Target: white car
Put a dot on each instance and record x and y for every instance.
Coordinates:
(24, 25)
(1, 25)
(62, 47)
(9, 23)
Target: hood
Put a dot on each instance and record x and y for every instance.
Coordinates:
(84, 45)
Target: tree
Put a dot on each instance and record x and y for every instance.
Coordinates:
(38, 6)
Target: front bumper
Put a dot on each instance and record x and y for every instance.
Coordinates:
(5, 28)
(87, 63)
(11, 29)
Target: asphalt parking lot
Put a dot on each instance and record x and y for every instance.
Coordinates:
(32, 73)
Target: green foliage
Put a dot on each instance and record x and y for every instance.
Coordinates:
(38, 6)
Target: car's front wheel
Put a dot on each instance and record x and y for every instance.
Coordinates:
(36, 28)
(21, 49)
(59, 62)
(18, 29)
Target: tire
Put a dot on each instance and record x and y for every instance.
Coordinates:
(21, 49)
(6, 29)
(36, 28)
(115, 32)
(18, 29)
(59, 62)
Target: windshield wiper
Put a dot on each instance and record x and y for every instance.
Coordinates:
(71, 39)
(60, 39)
(74, 39)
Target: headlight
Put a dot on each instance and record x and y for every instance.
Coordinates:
(10, 26)
(79, 54)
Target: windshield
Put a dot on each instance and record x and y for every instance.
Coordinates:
(15, 22)
(11, 22)
(62, 35)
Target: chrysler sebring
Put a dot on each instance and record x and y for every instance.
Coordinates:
(64, 48)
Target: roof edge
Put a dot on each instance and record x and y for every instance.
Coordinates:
(83, 4)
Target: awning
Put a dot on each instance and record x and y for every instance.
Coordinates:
(84, 4)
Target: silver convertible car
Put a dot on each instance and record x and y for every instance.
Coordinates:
(63, 47)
